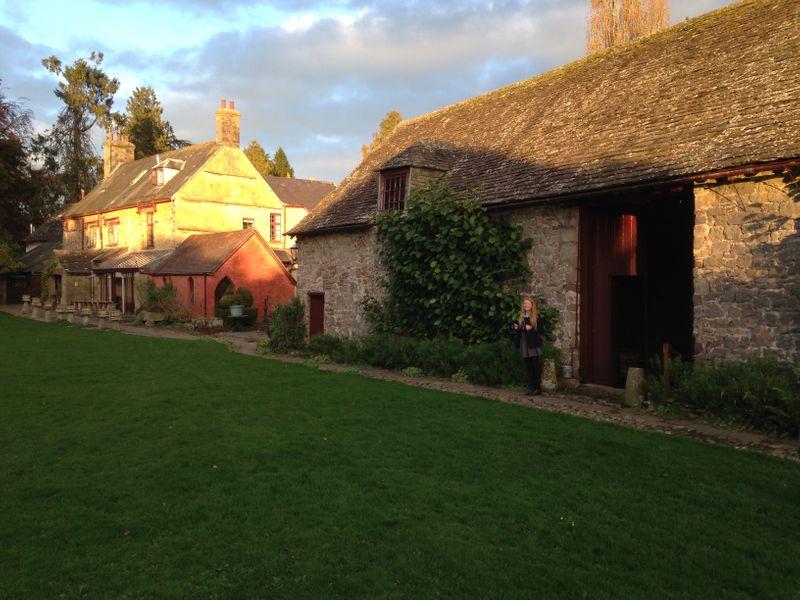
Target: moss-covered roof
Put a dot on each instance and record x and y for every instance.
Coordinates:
(716, 92)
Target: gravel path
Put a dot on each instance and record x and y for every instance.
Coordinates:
(583, 401)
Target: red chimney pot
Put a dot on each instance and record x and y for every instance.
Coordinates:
(231, 104)
(222, 103)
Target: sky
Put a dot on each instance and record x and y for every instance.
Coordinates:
(313, 77)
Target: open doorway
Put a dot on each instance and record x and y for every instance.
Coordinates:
(636, 260)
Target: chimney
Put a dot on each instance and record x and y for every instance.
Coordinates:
(116, 151)
(227, 125)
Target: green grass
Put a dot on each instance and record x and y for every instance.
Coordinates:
(139, 467)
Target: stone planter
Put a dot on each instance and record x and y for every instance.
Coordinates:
(26, 304)
(152, 317)
(236, 310)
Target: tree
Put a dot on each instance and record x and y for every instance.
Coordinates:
(462, 284)
(15, 128)
(259, 158)
(280, 165)
(613, 22)
(142, 122)
(387, 126)
(88, 95)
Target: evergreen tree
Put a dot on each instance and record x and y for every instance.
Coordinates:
(259, 158)
(281, 166)
(386, 126)
(88, 95)
(142, 122)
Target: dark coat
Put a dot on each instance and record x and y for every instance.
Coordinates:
(533, 338)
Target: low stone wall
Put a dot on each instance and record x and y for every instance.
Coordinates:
(346, 268)
(747, 269)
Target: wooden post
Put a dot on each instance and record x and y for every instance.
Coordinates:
(665, 361)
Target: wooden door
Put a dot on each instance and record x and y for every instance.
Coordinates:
(608, 243)
(316, 319)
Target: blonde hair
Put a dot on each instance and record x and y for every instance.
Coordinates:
(533, 314)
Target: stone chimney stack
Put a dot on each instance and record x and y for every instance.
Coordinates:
(117, 150)
(228, 125)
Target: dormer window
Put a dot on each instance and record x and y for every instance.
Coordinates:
(165, 170)
(393, 189)
(158, 176)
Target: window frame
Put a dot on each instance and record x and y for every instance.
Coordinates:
(391, 195)
(275, 227)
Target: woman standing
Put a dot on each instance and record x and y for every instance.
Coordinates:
(529, 330)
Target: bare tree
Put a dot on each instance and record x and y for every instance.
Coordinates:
(613, 22)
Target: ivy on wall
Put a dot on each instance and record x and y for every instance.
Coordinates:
(453, 270)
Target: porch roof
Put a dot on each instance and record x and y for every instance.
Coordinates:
(130, 260)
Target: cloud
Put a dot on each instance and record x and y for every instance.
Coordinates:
(317, 77)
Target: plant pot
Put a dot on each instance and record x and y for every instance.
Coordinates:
(153, 317)
(236, 310)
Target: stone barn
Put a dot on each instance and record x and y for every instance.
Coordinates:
(658, 181)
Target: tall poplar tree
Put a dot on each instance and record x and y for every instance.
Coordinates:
(613, 22)
(88, 95)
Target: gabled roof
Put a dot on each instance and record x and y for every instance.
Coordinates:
(299, 192)
(712, 93)
(75, 262)
(51, 230)
(35, 260)
(202, 254)
(130, 260)
(130, 183)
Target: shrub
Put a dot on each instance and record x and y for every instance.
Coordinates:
(288, 329)
(245, 296)
(387, 351)
(460, 376)
(229, 299)
(495, 363)
(324, 344)
(413, 372)
(317, 359)
(157, 299)
(759, 391)
(348, 353)
(440, 357)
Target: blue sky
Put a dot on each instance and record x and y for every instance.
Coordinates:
(313, 77)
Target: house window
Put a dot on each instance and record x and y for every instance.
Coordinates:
(150, 236)
(157, 176)
(91, 235)
(393, 189)
(275, 227)
(247, 223)
(112, 226)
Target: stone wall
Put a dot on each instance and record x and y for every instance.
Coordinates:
(346, 268)
(747, 268)
(553, 259)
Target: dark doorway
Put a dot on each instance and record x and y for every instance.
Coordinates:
(316, 314)
(636, 283)
(221, 288)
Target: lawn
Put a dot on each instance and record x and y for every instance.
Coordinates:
(142, 467)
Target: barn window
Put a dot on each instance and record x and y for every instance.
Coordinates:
(394, 187)
(112, 225)
(247, 223)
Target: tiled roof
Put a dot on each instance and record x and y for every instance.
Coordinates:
(51, 230)
(201, 254)
(131, 260)
(712, 93)
(80, 261)
(301, 192)
(131, 183)
(35, 260)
